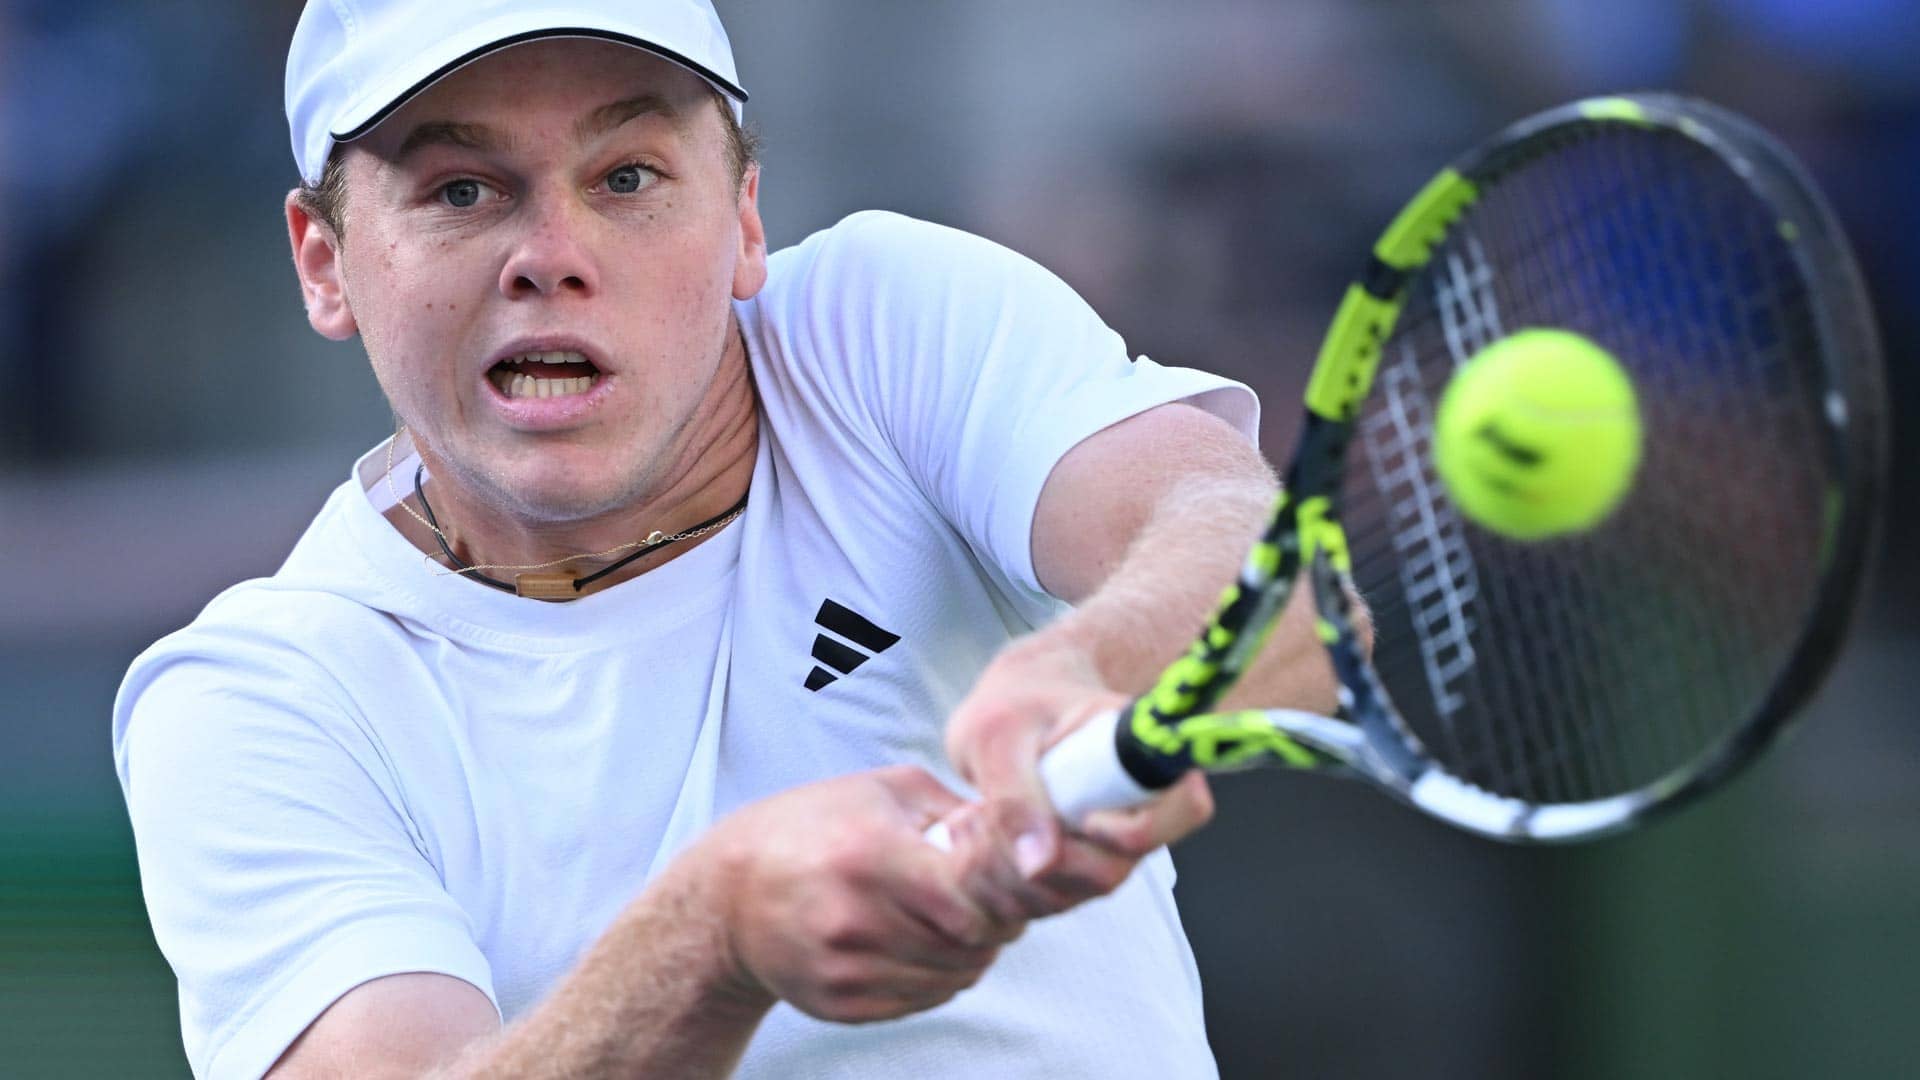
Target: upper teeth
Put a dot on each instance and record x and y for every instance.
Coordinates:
(517, 379)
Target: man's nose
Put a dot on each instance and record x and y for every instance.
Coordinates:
(550, 257)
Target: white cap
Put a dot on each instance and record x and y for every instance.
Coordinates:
(355, 61)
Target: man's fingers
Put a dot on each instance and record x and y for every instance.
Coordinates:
(989, 875)
(924, 798)
(1000, 759)
(1086, 870)
(1005, 767)
(926, 888)
(874, 988)
(928, 923)
(1095, 860)
(1135, 831)
(917, 952)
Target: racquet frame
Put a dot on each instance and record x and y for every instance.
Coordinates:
(1169, 729)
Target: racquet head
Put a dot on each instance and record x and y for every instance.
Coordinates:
(1567, 687)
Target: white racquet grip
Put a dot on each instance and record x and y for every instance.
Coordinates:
(1082, 773)
(939, 836)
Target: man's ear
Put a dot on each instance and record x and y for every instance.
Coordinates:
(316, 258)
(750, 271)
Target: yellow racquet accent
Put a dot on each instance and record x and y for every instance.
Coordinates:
(1318, 533)
(1409, 240)
(1344, 372)
(1615, 108)
(1224, 740)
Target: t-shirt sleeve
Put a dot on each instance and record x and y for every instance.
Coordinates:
(279, 868)
(981, 369)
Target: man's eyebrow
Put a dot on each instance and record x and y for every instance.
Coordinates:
(447, 132)
(607, 117)
(482, 138)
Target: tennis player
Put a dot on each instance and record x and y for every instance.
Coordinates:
(593, 726)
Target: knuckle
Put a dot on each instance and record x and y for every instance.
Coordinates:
(1095, 872)
(1088, 882)
(985, 721)
(851, 1009)
(844, 936)
(1040, 902)
(919, 1000)
(1111, 876)
(1132, 839)
(851, 855)
(843, 981)
(984, 932)
(974, 973)
(896, 775)
(836, 925)
(1007, 909)
(1202, 805)
(1011, 814)
(873, 1010)
(944, 992)
(957, 923)
(1008, 932)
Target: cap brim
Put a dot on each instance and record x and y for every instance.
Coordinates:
(381, 100)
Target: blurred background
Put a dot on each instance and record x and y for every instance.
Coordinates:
(1204, 172)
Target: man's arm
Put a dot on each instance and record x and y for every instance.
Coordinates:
(1141, 526)
(825, 896)
(653, 996)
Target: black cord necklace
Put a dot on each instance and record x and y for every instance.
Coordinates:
(557, 586)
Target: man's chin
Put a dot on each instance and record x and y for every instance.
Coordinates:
(550, 496)
(561, 503)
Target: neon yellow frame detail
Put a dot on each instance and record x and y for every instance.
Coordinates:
(1343, 372)
(1223, 740)
(1615, 108)
(1318, 532)
(1408, 242)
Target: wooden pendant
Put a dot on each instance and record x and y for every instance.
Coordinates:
(545, 586)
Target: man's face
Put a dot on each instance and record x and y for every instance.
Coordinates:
(566, 201)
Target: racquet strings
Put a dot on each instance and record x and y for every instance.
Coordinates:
(1578, 668)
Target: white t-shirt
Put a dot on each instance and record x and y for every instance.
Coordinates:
(363, 766)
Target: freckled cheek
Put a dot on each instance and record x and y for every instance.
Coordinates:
(681, 290)
(412, 321)
(653, 299)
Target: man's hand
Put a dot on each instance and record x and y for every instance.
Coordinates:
(1138, 526)
(833, 901)
(1018, 859)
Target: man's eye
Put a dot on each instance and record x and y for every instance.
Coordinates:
(627, 179)
(461, 194)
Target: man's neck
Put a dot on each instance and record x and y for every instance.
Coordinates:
(708, 472)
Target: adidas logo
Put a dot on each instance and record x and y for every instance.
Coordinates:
(837, 654)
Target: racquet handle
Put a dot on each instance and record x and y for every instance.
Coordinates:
(1082, 773)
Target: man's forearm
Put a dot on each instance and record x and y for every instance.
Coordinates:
(656, 995)
(825, 896)
(1141, 526)
(1148, 610)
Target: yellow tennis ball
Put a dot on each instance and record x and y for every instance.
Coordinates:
(1538, 435)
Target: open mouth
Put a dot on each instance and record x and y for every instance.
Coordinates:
(544, 375)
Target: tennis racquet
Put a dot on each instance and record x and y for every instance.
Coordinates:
(1567, 688)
